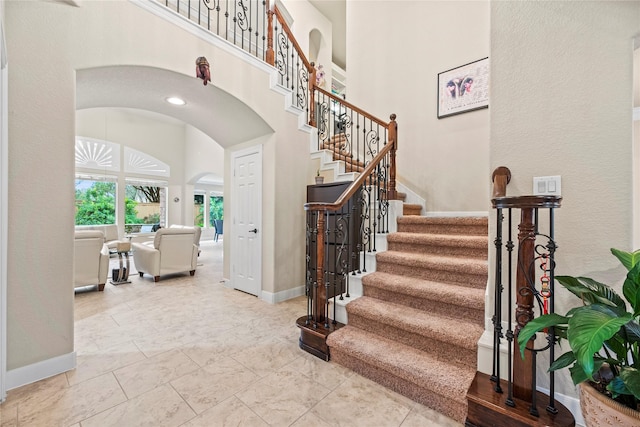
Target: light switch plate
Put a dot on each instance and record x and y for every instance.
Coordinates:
(547, 185)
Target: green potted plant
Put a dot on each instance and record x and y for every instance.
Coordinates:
(319, 178)
(604, 340)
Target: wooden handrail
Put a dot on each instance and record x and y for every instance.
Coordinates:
(353, 107)
(292, 39)
(351, 190)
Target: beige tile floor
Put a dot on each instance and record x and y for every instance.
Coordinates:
(187, 351)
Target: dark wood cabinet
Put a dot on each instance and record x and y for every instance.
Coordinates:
(342, 238)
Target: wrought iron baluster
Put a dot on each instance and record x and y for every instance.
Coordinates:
(510, 246)
(497, 311)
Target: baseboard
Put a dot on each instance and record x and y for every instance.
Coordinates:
(274, 298)
(450, 214)
(40, 370)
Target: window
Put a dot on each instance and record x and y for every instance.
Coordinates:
(144, 206)
(95, 201)
(216, 210)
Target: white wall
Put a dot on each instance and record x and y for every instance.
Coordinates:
(41, 152)
(561, 104)
(395, 50)
(202, 155)
(307, 18)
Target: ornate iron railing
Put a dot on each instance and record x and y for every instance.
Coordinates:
(363, 143)
(332, 254)
(241, 22)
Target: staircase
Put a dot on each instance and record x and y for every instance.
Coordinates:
(416, 327)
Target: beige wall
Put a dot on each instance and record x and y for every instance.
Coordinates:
(396, 50)
(561, 104)
(41, 153)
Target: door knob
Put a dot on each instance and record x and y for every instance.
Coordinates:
(255, 230)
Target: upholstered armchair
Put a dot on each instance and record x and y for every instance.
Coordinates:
(172, 251)
(110, 232)
(91, 259)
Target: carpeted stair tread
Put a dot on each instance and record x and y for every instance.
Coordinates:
(437, 328)
(428, 261)
(444, 293)
(405, 362)
(447, 225)
(439, 239)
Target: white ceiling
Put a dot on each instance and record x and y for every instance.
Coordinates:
(221, 116)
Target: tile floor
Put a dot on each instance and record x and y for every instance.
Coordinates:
(187, 351)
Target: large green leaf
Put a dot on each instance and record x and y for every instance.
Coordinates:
(591, 291)
(628, 259)
(563, 361)
(631, 378)
(588, 330)
(632, 331)
(578, 374)
(536, 325)
(631, 288)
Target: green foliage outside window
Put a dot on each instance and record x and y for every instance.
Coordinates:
(216, 211)
(95, 204)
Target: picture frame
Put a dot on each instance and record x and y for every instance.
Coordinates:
(464, 88)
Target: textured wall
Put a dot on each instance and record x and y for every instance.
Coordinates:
(47, 42)
(561, 104)
(396, 50)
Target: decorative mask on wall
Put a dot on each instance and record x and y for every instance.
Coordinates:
(202, 70)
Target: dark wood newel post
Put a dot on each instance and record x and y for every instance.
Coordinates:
(321, 301)
(270, 55)
(393, 138)
(312, 95)
(522, 368)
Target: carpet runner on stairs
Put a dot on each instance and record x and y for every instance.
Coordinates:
(416, 328)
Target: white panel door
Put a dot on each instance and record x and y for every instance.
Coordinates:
(247, 193)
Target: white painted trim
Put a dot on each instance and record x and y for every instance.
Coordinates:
(40, 370)
(274, 298)
(4, 206)
(636, 113)
(412, 197)
(452, 214)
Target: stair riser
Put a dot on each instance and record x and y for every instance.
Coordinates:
(367, 262)
(455, 251)
(455, 409)
(428, 306)
(411, 211)
(464, 230)
(444, 351)
(444, 276)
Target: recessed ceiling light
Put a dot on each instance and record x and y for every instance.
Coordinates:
(175, 101)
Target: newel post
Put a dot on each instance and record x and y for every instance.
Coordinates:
(393, 138)
(270, 55)
(525, 274)
(312, 95)
(501, 177)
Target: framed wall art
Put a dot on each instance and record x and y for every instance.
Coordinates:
(463, 89)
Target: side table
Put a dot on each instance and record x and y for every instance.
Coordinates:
(121, 276)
